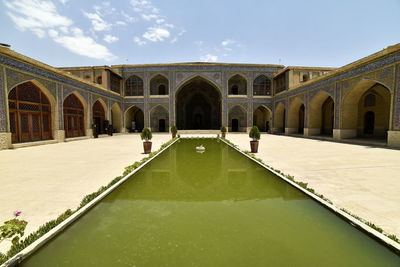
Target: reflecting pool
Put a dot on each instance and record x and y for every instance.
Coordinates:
(216, 208)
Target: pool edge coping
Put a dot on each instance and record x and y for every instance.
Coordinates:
(26, 252)
(391, 244)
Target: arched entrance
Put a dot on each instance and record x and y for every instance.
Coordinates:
(99, 116)
(116, 118)
(322, 113)
(262, 118)
(237, 119)
(198, 105)
(30, 113)
(74, 117)
(134, 119)
(296, 117)
(366, 111)
(159, 119)
(279, 119)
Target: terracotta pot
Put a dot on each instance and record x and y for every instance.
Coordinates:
(223, 134)
(254, 146)
(147, 147)
(173, 135)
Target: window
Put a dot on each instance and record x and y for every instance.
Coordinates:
(159, 85)
(237, 85)
(134, 86)
(262, 86)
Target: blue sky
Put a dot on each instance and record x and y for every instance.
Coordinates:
(304, 33)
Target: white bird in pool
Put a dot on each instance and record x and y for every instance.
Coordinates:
(200, 148)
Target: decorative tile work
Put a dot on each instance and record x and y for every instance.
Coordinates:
(232, 105)
(153, 105)
(3, 120)
(181, 77)
(199, 68)
(128, 105)
(396, 115)
(329, 89)
(51, 75)
(351, 73)
(159, 100)
(68, 90)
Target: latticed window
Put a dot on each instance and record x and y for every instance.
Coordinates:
(30, 113)
(134, 86)
(262, 86)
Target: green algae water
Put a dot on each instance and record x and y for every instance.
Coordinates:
(216, 208)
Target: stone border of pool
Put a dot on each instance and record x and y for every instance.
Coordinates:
(391, 244)
(26, 252)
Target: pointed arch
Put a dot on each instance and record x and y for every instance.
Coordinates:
(237, 85)
(354, 108)
(198, 104)
(32, 112)
(133, 86)
(197, 77)
(262, 86)
(237, 119)
(75, 115)
(159, 85)
(159, 121)
(134, 119)
(99, 113)
(296, 116)
(321, 114)
(262, 118)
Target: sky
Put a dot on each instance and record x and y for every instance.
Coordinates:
(291, 32)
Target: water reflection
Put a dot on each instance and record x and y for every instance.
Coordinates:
(220, 173)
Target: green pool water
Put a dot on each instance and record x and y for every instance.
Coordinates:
(216, 208)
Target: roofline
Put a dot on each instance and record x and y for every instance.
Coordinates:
(384, 52)
(197, 64)
(11, 53)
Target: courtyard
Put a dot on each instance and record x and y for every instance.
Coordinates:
(44, 181)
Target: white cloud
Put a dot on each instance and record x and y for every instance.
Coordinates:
(64, 1)
(34, 14)
(98, 23)
(227, 42)
(155, 34)
(110, 38)
(83, 45)
(41, 16)
(138, 41)
(209, 58)
(120, 22)
(149, 17)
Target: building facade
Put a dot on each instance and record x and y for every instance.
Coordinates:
(41, 104)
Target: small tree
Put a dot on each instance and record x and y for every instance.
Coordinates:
(254, 133)
(146, 134)
(174, 130)
(223, 129)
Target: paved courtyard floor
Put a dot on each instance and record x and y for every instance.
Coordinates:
(46, 180)
(362, 179)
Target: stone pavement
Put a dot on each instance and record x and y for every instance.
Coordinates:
(364, 180)
(44, 181)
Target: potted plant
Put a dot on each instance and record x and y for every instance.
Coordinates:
(223, 131)
(146, 136)
(174, 131)
(254, 134)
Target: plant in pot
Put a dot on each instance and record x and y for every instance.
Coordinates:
(223, 131)
(146, 136)
(254, 134)
(174, 131)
